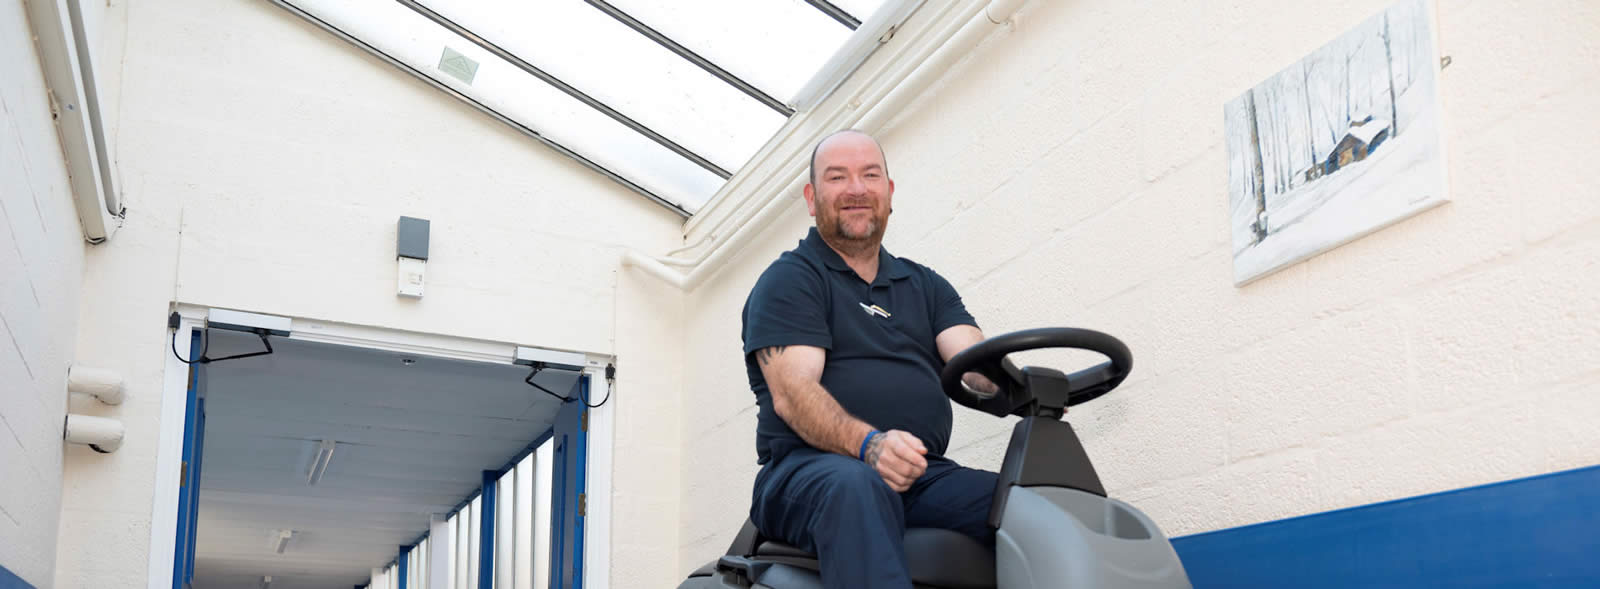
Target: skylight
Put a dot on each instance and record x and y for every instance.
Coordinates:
(668, 98)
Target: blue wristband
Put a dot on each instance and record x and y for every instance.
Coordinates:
(862, 454)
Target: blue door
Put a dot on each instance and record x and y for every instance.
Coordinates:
(567, 500)
(194, 432)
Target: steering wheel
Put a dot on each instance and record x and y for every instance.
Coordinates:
(988, 358)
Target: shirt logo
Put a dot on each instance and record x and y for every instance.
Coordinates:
(874, 310)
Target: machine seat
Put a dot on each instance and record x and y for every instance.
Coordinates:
(707, 570)
(937, 557)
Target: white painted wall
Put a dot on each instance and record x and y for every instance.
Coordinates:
(265, 163)
(650, 373)
(41, 267)
(1072, 172)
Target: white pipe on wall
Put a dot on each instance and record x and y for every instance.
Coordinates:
(910, 86)
(69, 68)
(998, 12)
(1001, 11)
(634, 259)
(102, 434)
(104, 385)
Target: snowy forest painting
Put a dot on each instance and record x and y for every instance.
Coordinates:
(1338, 145)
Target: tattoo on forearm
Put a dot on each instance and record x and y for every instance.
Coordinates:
(875, 449)
(765, 355)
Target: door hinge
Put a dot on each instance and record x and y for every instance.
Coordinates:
(584, 421)
(183, 474)
(583, 504)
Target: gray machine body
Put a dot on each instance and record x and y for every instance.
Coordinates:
(1059, 537)
(1049, 537)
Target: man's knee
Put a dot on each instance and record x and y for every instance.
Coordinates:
(855, 475)
(822, 478)
(848, 482)
(830, 496)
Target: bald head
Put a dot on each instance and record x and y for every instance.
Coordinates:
(845, 135)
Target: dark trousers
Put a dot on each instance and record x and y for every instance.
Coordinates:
(838, 508)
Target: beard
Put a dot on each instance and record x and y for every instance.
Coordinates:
(839, 233)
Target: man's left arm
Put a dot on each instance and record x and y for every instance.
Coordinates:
(955, 329)
(952, 341)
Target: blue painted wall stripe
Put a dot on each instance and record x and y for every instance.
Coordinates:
(1542, 531)
(9, 580)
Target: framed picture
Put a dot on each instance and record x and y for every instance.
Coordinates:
(1342, 143)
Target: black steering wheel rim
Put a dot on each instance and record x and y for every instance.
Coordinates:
(988, 358)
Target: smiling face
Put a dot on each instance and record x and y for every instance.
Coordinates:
(850, 192)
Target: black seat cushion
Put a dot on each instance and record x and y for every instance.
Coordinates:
(936, 557)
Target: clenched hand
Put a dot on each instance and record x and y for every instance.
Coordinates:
(898, 458)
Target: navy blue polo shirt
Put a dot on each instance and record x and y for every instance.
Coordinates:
(882, 363)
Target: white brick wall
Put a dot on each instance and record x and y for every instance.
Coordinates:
(1069, 172)
(41, 266)
(1072, 172)
(265, 164)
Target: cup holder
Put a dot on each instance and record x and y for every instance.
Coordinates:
(1106, 517)
(1122, 523)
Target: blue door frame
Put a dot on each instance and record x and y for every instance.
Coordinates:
(568, 470)
(400, 565)
(486, 512)
(194, 431)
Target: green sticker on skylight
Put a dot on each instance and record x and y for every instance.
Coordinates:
(458, 65)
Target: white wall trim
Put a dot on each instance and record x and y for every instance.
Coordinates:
(597, 528)
(169, 458)
(394, 340)
(174, 404)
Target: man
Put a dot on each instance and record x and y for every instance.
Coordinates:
(843, 346)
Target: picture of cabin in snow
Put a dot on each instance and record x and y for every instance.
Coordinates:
(1342, 143)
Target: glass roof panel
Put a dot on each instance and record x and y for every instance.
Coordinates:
(605, 59)
(776, 45)
(667, 98)
(423, 45)
(861, 9)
